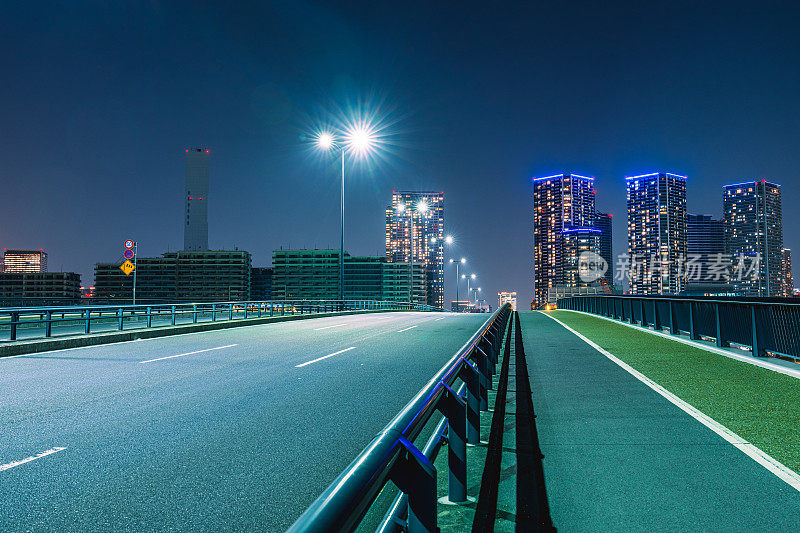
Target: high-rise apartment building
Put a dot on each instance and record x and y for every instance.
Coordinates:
(195, 229)
(656, 232)
(602, 221)
(415, 219)
(786, 272)
(754, 236)
(705, 255)
(24, 261)
(563, 218)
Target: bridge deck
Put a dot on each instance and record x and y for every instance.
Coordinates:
(618, 455)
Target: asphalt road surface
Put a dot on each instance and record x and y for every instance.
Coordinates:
(233, 429)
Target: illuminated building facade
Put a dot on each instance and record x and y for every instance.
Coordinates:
(561, 204)
(602, 221)
(505, 297)
(195, 229)
(406, 222)
(754, 228)
(786, 272)
(657, 237)
(24, 261)
(705, 245)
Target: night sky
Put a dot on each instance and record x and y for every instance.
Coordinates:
(99, 100)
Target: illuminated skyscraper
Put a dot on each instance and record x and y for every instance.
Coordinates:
(24, 261)
(786, 272)
(656, 232)
(195, 229)
(563, 218)
(602, 221)
(418, 216)
(754, 229)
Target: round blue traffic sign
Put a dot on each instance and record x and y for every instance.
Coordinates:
(128, 254)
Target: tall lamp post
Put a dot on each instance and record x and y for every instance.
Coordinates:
(459, 262)
(359, 140)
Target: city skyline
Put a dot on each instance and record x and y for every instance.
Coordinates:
(94, 162)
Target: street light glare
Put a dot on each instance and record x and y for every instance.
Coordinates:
(325, 140)
(422, 207)
(401, 208)
(472, 276)
(360, 138)
(448, 239)
(463, 260)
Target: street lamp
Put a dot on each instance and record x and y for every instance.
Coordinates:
(459, 262)
(358, 139)
(471, 277)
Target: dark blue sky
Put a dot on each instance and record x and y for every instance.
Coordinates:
(99, 100)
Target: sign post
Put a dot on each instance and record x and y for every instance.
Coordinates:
(131, 249)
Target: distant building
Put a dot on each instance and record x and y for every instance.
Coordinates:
(575, 243)
(505, 297)
(39, 288)
(418, 217)
(195, 229)
(17, 261)
(754, 235)
(656, 232)
(562, 205)
(211, 275)
(786, 272)
(261, 283)
(705, 254)
(461, 306)
(314, 275)
(602, 221)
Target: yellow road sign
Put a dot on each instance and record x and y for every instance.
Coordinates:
(127, 267)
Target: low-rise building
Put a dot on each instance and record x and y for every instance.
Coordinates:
(39, 288)
(204, 275)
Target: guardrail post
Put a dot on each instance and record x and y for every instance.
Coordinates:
(471, 376)
(692, 334)
(454, 408)
(230, 311)
(415, 475)
(87, 326)
(120, 319)
(149, 317)
(644, 319)
(194, 313)
(48, 326)
(213, 312)
(13, 332)
(673, 325)
(173, 315)
(757, 351)
(485, 379)
(719, 326)
(656, 321)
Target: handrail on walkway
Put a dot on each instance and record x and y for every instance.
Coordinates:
(766, 326)
(393, 456)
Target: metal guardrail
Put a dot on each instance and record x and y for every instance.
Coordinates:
(766, 326)
(126, 317)
(393, 456)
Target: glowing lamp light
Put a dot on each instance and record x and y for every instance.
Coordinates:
(325, 140)
(401, 208)
(448, 239)
(360, 138)
(422, 207)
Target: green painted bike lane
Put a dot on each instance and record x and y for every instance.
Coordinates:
(620, 457)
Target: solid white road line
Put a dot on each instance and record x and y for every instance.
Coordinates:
(324, 357)
(189, 353)
(767, 461)
(328, 327)
(32, 458)
(435, 319)
(406, 329)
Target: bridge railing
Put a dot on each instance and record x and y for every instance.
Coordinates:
(39, 322)
(393, 457)
(769, 326)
